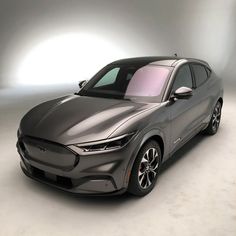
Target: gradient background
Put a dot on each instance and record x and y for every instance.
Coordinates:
(201, 29)
(196, 190)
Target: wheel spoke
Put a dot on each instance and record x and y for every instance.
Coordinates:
(145, 157)
(149, 156)
(154, 155)
(141, 180)
(213, 121)
(153, 172)
(148, 180)
(140, 173)
(155, 167)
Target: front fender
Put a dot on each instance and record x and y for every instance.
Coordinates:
(141, 139)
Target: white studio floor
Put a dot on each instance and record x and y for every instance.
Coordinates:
(195, 195)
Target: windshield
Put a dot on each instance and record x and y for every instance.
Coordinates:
(129, 82)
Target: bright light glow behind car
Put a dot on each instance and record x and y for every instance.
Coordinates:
(65, 59)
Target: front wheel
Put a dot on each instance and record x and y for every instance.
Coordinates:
(214, 123)
(145, 169)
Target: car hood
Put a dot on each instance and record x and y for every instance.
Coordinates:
(77, 119)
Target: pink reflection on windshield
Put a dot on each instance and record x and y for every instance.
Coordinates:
(147, 81)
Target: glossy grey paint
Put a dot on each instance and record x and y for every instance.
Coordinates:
(77, 119)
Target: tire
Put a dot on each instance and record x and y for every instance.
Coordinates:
(214, 123)
(146, 169)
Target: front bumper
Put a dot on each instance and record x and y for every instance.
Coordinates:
(61, 167)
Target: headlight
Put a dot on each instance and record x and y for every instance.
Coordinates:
(109, 144)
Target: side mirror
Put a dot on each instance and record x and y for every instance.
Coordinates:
(82, 83)
(183, 93)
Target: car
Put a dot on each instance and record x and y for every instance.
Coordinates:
(113, 135)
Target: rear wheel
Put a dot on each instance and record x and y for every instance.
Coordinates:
(214, 123)
(145, 169)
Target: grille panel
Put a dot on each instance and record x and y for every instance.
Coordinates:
(48, 153)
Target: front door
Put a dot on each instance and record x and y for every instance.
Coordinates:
(182, 111)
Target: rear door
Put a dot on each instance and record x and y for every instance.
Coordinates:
(201, 92)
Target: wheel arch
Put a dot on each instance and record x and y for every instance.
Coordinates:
(155, 135)
(159, 140)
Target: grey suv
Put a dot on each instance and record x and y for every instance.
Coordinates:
(114, 134)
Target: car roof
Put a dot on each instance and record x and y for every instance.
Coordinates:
(161, 60)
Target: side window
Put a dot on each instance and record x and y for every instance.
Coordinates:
(200, 74)
(183, 78)
(109, 78)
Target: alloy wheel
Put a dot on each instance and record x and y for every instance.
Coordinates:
(216, 117)
(148, 168)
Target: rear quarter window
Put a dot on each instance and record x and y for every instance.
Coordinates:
(208, 72)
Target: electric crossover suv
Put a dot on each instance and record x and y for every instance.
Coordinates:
(114, 134)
